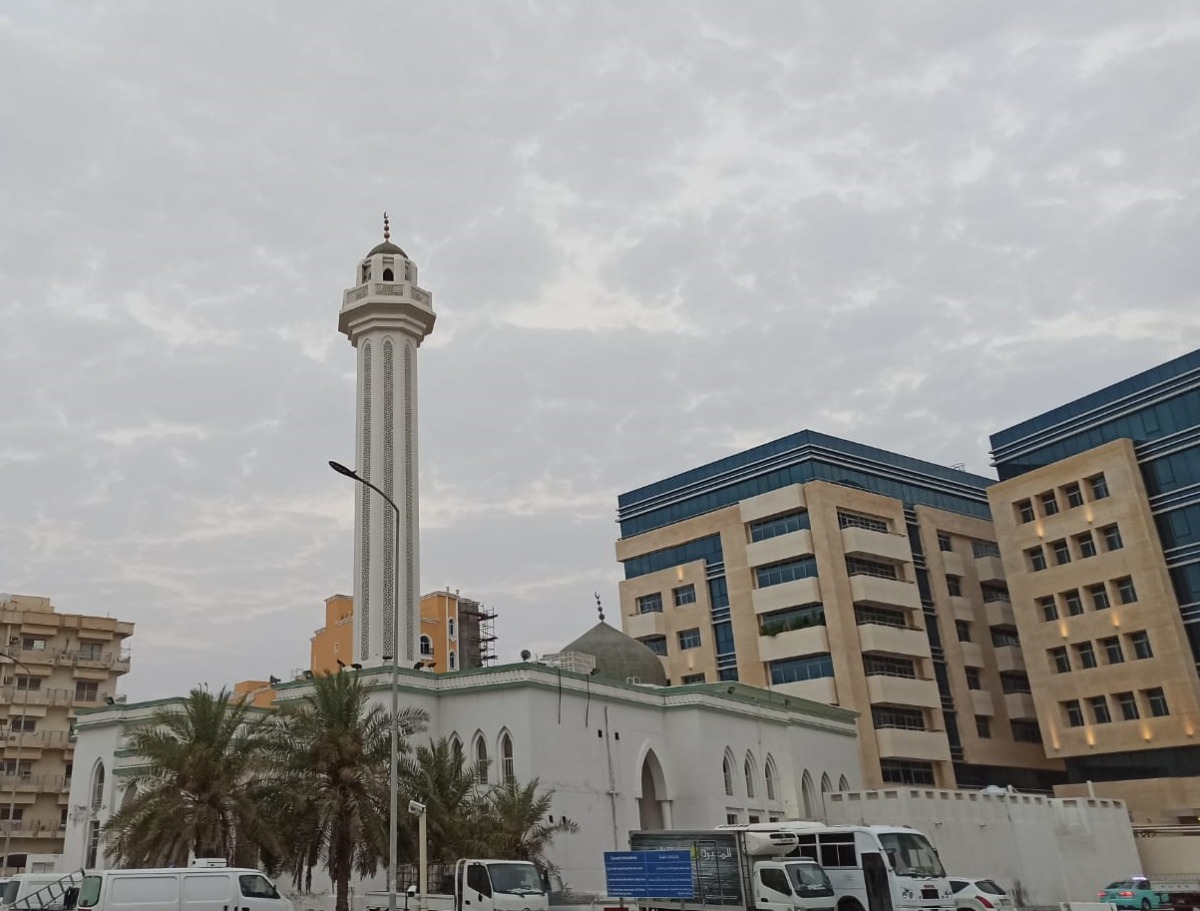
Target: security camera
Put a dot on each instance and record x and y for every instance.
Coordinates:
(416, 807)
(412, 890)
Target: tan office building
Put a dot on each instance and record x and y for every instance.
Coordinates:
(832, 571)
(1098, 517)
(53, 664)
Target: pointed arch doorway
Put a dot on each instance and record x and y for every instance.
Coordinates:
(654, 806)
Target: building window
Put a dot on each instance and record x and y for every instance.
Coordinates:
(893, 716)
(786, 572)
(1126, 590)
(426, 645)
(452, 660)
(1087, 545)
(1073, 495)
(87, 691)
(769, 774)
(748, 771)
(28, 683)
(1025, 511)
(985, 549)
(808, 667)
(656, 644)
(1049, 608)
(1129, 707)
(954, 584)
(778, 525)
(1074, 603)
(689, 638)
(1002, 638)
(19, 724)
(1112, 650)
(1086, 655)
(1036, 558)
(983, 727)
(858, 567)
(94, 651)
(1141, 645)
(1099, 597)
(963, 629)
(507, 764)
(98, 786)
(685, 594)
(650, 604)
(1112, 537)
(973, 681)
(1098, 486)
(1015, 682)
(1073, 712)
(944, 542)
(1025, 731)
(994, 592)
(888, 666)
(451, 628)
(481, 760)
(881, 616)
(1060, 660)
(907, 771)
(1157, 701)
(856, 520)
(790, 618)
(691, 678)
(1100, 711)
(1049, 503)
(1062, 553)
(727, 774)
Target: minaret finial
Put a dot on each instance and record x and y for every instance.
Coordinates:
(599, 607)
(387, 229)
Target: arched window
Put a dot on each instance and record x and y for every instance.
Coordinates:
(452, 660)
(826, 787)
(426, 645)
(388, 275)
(481, 760)
(451, 627)
(727, 771)
(748, 770)
(98, 786)
(843, 784)
(455, 746)
(508, 771)
(769, 774)
(810, 799)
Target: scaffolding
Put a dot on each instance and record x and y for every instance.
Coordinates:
(476, 634)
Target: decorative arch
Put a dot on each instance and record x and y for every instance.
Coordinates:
(504, 749)
(826, 787)
(750, 773)
(771, 777)
(456, 748)
(727, 772)
(652, 798)
(809, 796)
(479, 756)
(97, 785)
(843, 784)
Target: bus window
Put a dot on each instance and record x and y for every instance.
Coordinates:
(807, 847)
(837, 850)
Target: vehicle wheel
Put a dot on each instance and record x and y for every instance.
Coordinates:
(1146, 904)
(849, 904)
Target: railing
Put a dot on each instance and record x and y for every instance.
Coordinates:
(29, 828)
(31, 782)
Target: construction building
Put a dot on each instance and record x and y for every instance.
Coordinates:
(837, 572)
(53, 664)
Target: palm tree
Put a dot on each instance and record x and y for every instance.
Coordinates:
(439, 776)
(197, 789)
(516, 823)
(332, 758)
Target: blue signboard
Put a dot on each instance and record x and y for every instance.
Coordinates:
(649, 874)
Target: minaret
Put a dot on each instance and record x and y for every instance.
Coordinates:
(386, 316)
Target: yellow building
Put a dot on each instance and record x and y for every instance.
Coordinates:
(456, 633)
(53, 664)
(845, 574)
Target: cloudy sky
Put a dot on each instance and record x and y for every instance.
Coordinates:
(656, 233)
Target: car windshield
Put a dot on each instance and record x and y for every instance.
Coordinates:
(516, 879)
(89, 892)
(911, 854)
(10, 891)
(991, 888)
(809, 879)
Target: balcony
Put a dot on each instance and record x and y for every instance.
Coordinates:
(863, 542)
(878, 592)
(895, 640)
(652, 623)
(903, 691)
(953, 562)
(962, 608)
(989, 569)
(1000, 613)
(786, 594)
(35, 740)
(779, 548)
(972, 654)
(981, 703)
(822, 689)
(1019, 705)
(807, 641)
(897, 743)
(772, 503)
(1009, 658)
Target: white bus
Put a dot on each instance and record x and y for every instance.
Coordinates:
(872, 868)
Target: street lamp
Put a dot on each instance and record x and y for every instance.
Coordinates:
(418, 810)
(393, 786)
(12, 794)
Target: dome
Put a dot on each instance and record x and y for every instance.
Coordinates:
(619, 657)
(387, 247)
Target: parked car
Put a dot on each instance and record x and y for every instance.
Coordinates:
(1133, 894)
(978, 894)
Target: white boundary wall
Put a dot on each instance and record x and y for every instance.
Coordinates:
(1044, 850)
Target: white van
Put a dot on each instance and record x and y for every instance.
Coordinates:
(180, 889)
(36, 890)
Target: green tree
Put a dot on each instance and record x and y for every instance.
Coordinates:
(332, 759)
(198, 786)
(439, 776)
(516, 823)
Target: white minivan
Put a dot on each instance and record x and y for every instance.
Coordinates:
(180, 889)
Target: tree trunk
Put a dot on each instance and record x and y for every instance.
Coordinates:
(341, 887)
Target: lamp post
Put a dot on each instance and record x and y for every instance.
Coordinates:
(393, 786)
(418, 809)
(12, 794)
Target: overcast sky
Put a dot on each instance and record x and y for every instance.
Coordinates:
(656, 233)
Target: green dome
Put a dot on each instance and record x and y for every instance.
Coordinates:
(387, 247)
(619, 657)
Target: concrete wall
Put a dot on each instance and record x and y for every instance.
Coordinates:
(1044, 850)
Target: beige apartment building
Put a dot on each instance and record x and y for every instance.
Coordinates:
(52, 664)
(831, 571)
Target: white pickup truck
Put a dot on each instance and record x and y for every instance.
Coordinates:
(479, 885)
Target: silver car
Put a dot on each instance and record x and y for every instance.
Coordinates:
(979, 894)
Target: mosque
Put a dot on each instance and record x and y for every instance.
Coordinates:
(597, 723)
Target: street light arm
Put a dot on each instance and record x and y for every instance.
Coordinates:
(351, 473)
